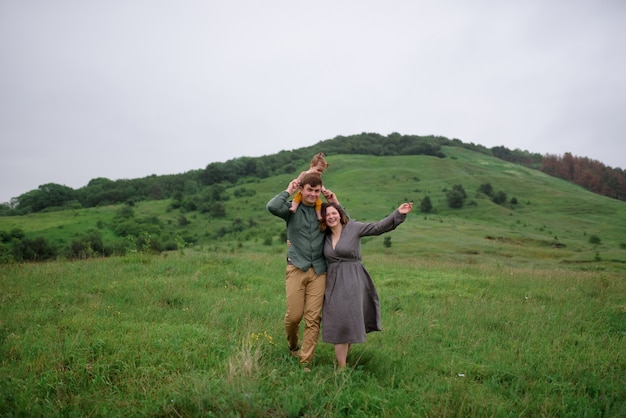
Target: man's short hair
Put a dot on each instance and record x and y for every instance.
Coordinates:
(312, 179)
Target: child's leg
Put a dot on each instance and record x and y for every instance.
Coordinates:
(296, 201)
(318, 208)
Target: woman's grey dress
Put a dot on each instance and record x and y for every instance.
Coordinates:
(351, 307)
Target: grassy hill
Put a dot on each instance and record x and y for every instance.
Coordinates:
(488, 310)
(552, 222)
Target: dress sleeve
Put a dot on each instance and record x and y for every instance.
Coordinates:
(377, 228)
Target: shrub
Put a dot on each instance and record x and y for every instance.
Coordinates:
(456, 196)
(426, 205)
(88, 245)
(188, 205)
(147, 243)
(17, 233)
(499, 198)
(218, 210)
(36, 249)
(486, 188)
(5, 236)
(6, 256)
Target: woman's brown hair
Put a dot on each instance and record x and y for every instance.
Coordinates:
(343, 218)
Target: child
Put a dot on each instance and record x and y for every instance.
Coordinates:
(318, 165)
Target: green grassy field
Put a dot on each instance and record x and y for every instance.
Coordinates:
(488, 310)
(201, 334)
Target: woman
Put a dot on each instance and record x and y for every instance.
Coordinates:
(351, 306)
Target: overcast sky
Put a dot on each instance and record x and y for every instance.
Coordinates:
(130, 88)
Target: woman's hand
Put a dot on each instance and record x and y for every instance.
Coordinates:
(405, 208)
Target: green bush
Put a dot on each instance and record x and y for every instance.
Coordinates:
(486, 188)
(456, 197)
(499, 198)
(594, 239)
(34, 249)
(426, 206)
(87, 246)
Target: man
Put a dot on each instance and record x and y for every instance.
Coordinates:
(305, 277)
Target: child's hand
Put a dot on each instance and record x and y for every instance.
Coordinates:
(329, 196)
(293, 186)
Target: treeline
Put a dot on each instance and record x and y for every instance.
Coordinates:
(585, 172)
(289, 162)
(103, 191)
(590, 174)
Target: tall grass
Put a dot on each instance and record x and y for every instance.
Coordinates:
(201, 334)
